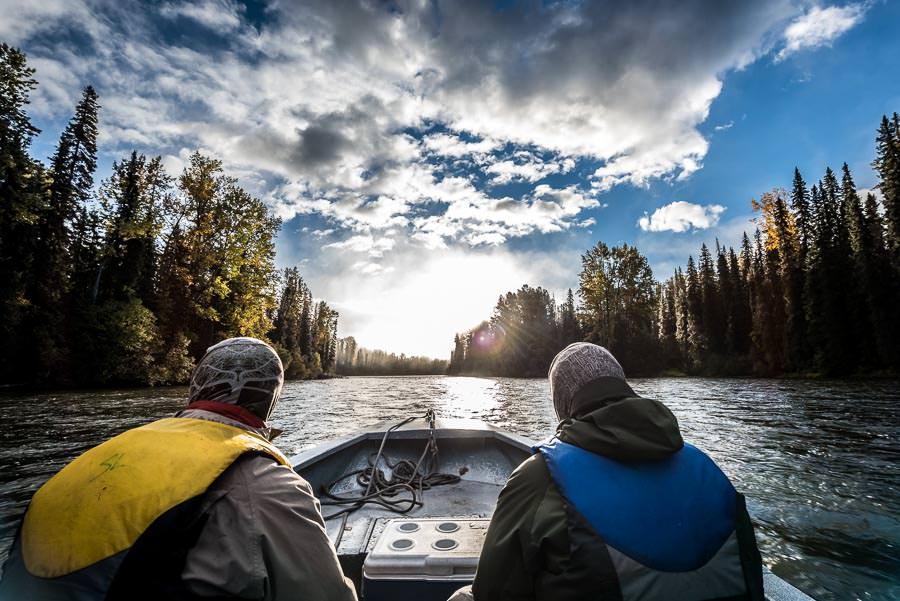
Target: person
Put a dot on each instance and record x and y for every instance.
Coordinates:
(200, 505)
(616, 505)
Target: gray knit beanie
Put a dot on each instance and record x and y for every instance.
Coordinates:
(575, 366)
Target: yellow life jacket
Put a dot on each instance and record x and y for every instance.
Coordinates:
(100, 504)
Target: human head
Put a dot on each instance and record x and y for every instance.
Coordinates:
(239, 371)
(575, 366)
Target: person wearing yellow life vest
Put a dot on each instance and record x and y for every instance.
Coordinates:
(201, 505)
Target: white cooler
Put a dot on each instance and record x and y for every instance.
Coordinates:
(423, 559)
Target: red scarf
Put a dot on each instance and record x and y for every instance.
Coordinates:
(235, 412)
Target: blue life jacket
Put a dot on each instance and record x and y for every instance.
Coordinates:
(654, 530)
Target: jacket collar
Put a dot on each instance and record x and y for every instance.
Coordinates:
(266, 431)
(231, 411)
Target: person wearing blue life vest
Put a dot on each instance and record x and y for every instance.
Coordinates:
(616, 506)
(197, 506)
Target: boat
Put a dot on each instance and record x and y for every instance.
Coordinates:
(422, 542)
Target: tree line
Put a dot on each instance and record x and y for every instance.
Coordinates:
(353, 360)
(128, 283)
(813, 292)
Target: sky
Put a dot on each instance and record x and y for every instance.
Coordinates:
(427, 156)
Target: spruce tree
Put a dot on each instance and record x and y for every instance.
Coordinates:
(765, 350)
(570, 330)
(787, 276)
(698, 345)
(22, 194)
(712, 318)
(740, 306)
(73, 166)
(133, 201)
(858, 242)
(840, 282)
(887, 165)
(682, 318)
(800, 207)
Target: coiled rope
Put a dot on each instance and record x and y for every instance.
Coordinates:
(402, 491)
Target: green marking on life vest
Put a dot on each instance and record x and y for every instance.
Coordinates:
(113, 462)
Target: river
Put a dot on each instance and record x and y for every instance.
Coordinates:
(819, 461)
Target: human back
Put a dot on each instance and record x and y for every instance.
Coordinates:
(616, 505)
(195, 506)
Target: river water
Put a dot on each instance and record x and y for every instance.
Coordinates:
(819, 461)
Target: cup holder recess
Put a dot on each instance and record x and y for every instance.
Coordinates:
(445, 544)
(402, 544)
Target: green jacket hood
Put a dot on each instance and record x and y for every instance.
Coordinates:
(623, 426)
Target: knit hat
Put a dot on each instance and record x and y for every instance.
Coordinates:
(575, 366)
(241, 371)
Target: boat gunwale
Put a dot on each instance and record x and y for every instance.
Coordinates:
(444, 429)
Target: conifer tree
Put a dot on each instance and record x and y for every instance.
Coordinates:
(682, 317)
(133, 201)
(21, 203)
(73, 166)
(800, 207)
(839, 278)
(726, 293)
(570, 331)
(711, 311)
(740, 306)
(887, 165)
(694, 297)
(667, 322)
(787, 274)
(765, 340)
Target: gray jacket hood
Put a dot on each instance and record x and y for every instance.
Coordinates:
(622, 425)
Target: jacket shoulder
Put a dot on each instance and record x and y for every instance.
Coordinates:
(530, 474)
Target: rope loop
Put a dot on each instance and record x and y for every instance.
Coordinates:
(402, 490)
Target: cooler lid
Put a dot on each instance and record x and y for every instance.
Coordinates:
(434, 548)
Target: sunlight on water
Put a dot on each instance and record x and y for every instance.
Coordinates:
(468, 397)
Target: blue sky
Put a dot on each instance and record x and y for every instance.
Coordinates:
(426, 157)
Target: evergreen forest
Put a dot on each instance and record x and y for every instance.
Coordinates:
(812, 291)
(353, 360)
(128, 282)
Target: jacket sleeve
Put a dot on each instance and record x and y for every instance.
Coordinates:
(265, 539)
(512, 554)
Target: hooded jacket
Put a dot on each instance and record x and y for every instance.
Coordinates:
(530, 552)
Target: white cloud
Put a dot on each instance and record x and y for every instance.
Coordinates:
(819, 27)
(680, 216)
(375, 247)
(526, 167)
(724, 126)
(371, 268)
(453, 146)
(218, 15)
